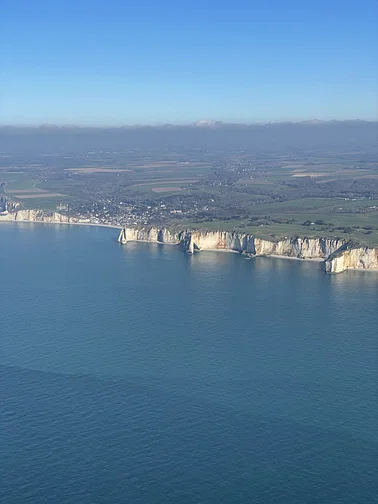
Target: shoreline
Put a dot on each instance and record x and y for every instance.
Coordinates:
(336, 254)
(230, 251)
(93, 224)
(120, 227)
(310, 259)
(113, 226)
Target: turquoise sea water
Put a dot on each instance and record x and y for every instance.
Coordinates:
(139, 374)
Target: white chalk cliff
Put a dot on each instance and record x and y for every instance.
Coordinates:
(352, 258)
(338, 254)
(39, 216)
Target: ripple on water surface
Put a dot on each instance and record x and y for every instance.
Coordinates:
(139, 374)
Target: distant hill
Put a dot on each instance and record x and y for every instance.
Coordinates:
(205, 134)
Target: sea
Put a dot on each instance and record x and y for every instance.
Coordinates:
(138, 374)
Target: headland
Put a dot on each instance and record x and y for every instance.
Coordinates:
(337, 254)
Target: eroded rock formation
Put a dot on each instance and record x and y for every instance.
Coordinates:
(39, 216)
(338, 254)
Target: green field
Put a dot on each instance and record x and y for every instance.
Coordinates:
(280, 231)
(272, 198)
(356, 220)
(17, 181)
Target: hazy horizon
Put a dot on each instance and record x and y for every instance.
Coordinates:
(274, 136)
(206, 124)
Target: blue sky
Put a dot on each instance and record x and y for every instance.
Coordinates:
(114, 62)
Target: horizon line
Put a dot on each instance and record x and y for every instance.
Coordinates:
(202, 124)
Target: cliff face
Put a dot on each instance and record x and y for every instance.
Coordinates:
(339, 255)
(352, 258)
(303, 248)
(39, 216)
(150, 235)
(218, 240)
(191, 241)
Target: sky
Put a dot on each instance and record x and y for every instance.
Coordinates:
(122, 62)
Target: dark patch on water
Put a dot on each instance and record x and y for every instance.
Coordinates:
(87, 440)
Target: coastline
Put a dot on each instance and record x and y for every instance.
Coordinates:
(93, 224)
(331, 264)
(230, 251)
(120, 227)
(310, 259)
(335, 253)
(112, 226)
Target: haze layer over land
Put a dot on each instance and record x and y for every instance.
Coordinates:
(314, 179)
